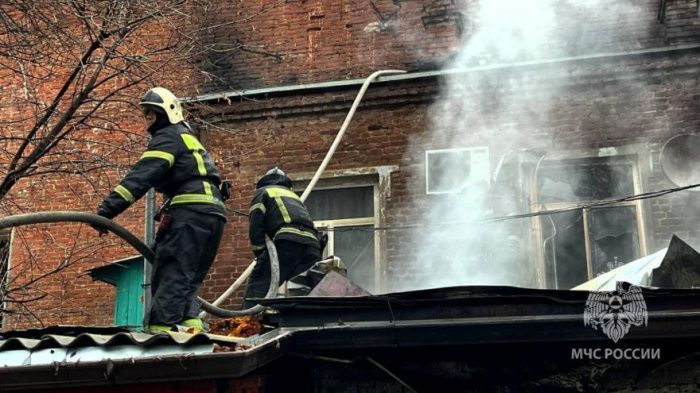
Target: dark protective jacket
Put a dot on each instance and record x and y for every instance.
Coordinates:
(279, 213)
(175, 164)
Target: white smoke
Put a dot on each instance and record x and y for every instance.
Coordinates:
(478, 108)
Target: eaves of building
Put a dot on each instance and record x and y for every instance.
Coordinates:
(425, 86)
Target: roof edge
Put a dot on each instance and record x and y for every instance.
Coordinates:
(338, 84)
(185, 367)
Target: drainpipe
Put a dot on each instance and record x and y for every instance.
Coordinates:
(149, 237)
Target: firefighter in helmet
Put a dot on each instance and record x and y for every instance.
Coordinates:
(192, 218)
(276, 211)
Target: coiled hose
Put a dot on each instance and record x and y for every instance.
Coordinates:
(94, 219)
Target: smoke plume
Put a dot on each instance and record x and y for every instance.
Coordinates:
(489, 101)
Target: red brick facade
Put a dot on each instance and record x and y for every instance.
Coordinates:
(625, 104)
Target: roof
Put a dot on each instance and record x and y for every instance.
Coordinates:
(443, 320)
(469, 316)
(69, 359)
(18, 351)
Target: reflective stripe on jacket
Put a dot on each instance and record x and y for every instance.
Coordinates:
(279, 213)
(175, 164)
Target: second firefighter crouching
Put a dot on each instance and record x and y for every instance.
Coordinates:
(276, 211)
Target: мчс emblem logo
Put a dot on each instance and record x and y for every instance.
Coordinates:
(615, 311)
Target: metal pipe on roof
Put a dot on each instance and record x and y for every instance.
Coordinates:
(344, 128)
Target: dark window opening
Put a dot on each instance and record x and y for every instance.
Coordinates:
(564, 250)
(592, 181)
(581, 244)
(614, 237)
(341, 203)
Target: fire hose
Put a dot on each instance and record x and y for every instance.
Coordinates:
(246, 273)
(94, 219)
(212, 308)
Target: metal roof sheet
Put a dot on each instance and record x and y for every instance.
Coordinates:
(122, 338)
(146, 359)
(55, 348)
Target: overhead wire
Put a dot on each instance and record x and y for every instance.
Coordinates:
(495, 219)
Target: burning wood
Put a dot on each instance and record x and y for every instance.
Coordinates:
(245, 326)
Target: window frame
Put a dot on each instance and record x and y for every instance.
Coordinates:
(535, 205)
(350, 222)
(377, 178)
(482, 149)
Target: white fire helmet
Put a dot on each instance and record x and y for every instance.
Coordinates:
(163, 98)
(275, 171)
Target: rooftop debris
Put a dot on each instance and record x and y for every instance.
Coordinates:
(327, 278)
(680, 267)
(335, 284)
(244, 326)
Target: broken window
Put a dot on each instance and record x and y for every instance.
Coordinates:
(614, 237)
(564, 242)
(585, 181)
(581, 244)
(347, 215)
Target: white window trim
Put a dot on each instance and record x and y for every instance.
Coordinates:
(482, 149)
(380, 178)
(346, 222)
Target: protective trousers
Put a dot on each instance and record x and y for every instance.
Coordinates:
(185, 251)
(294, 258)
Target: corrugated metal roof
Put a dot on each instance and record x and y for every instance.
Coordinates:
(90, 347)
(131, 358)
(123, 338)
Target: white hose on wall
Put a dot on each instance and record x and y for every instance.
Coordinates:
(246, 273)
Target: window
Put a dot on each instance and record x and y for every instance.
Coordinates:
(451, 170)
(581, 244)
(347, 215)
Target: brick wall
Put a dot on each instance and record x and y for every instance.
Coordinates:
(49, 263)
(299, 42)
(304, 41)
(270, 43)
(681, 20)
(637, 101)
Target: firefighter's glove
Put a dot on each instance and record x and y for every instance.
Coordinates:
(260, 254)
(99, 228)
(225, 190)
(323, 241)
